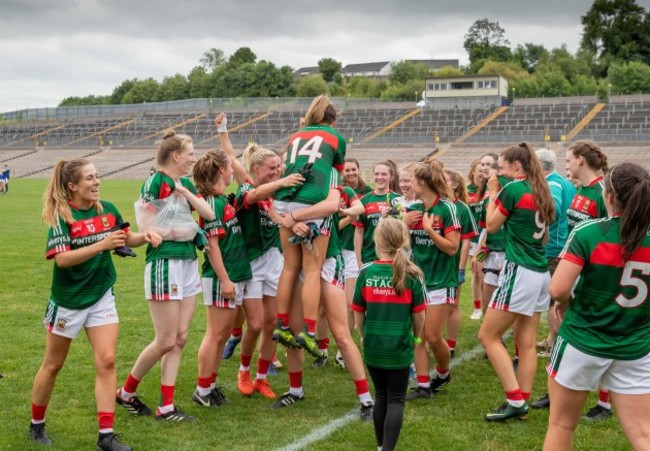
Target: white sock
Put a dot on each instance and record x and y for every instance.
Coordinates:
(125, 395)
(365, 398)
(295, 391)
(203, 391)
(166, 409)
(244, 368)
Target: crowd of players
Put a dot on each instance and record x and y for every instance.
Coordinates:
(304, 249)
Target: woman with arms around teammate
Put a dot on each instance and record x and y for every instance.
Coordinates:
(526, 208)
(435, 240)
(605, 333)
(258, 181)
(389, 295)
(83, 231)
(171, 278)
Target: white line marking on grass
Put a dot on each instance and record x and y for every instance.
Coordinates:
(328, 429)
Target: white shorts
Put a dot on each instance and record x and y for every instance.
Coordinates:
(493, 262)
(68, 322)
(169, 279)
(443, 296)
(576, 370)
(351, 264)
(212, 294)
(473, 248)
(266, 275)
(521, 290)
(284, 208)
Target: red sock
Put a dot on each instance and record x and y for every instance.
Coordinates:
(131, 384)
(514, 395)
(516, 351)
(167, 395)
(310, 324)
(204, 382)
(213, 378)
(263, 366)
(283, 320)
(246, 360)
(323, 344)
(442, 373)
(477, 304)
(603, 396)
(451, 343)
(236, 332)
(38, 412)
(295, 379)
(106, 421)
(361, 386)
(424, 381)
(525, 395)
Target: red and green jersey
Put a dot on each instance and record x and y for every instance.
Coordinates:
(494, 241)
(373, 205)
(588, 203)
(260, 232)
(609, 316)
(321, 146)
(80, 286)
(468, 229)
(226, 227)
(161, 186)
(346, 234)
(524, 230)
(474, 204)
(388, 326)
(440, 270)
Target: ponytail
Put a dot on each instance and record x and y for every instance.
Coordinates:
(591, 153)
(392, 240)
(206, 171)
(170, 143)
(320, 111)
(57, 196)
(525, 155)
(630, 185)
(431, 173)
(460, 192)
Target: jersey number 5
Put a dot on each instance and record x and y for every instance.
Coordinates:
(628, 280)
(309, 149)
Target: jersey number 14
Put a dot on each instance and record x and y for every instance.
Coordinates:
(310, 149)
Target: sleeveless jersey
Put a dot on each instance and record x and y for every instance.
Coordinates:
(82, 285)
(609, 316)
(588, 203)
(373, 205)
(260, 232)
(321, 146)
(161, 186)
(524, 230)
(388, 327)
(231, 241)
(440, 270)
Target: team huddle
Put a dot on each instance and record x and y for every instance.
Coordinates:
(304, 249)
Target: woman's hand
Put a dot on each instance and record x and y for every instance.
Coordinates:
(427, 222)
(493, 185)
(292, 180)
(560, 309)
(410, 218)
(153, 238)
(221, 120)
(114, 240)
(228, 291)
(301, 229)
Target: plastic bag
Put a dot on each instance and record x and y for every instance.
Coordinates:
(171, 217)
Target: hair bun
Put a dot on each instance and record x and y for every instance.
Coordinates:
(169, 133)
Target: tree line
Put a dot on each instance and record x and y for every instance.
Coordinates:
(613, 58)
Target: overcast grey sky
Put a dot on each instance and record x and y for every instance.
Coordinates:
(52, 49)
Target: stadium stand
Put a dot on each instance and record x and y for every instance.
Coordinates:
(623, 119)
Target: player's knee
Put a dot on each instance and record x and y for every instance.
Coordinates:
(105, 362)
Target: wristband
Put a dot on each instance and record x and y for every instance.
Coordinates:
(417, 340)
(292, 218)
(222, 129)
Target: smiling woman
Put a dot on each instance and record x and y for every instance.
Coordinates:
(82, 231)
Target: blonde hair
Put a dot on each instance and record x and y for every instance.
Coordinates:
(321, 111)
(57, 196)
(256, 155)
(430, 172)
(392, 240)
(170, 143)
(206, 171)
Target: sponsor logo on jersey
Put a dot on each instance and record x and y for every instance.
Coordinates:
(60, 323)
(105, 222)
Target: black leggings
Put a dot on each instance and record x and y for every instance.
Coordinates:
(390, 391)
